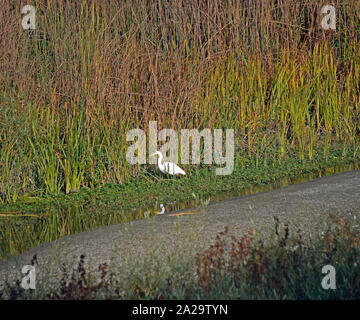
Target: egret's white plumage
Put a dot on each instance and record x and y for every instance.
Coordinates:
(168, 167)
(162, 209)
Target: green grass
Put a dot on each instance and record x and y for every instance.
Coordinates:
(34, 220)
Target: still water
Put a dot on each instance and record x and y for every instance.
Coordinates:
(21, 232)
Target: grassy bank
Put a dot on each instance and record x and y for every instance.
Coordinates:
(34, 220)
(286, 265)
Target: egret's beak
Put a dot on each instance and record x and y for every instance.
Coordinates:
(152, 154)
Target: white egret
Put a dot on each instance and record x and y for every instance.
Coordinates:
(162, 209)
(168, 167)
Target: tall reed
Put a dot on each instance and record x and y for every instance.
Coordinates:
(92, 70)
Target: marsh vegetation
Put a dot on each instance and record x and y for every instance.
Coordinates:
(92, 70)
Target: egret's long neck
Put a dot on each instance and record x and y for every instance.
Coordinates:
(160, 159)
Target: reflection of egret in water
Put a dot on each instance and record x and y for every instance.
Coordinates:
(162, 209)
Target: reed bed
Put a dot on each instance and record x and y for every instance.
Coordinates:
(92, 70)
